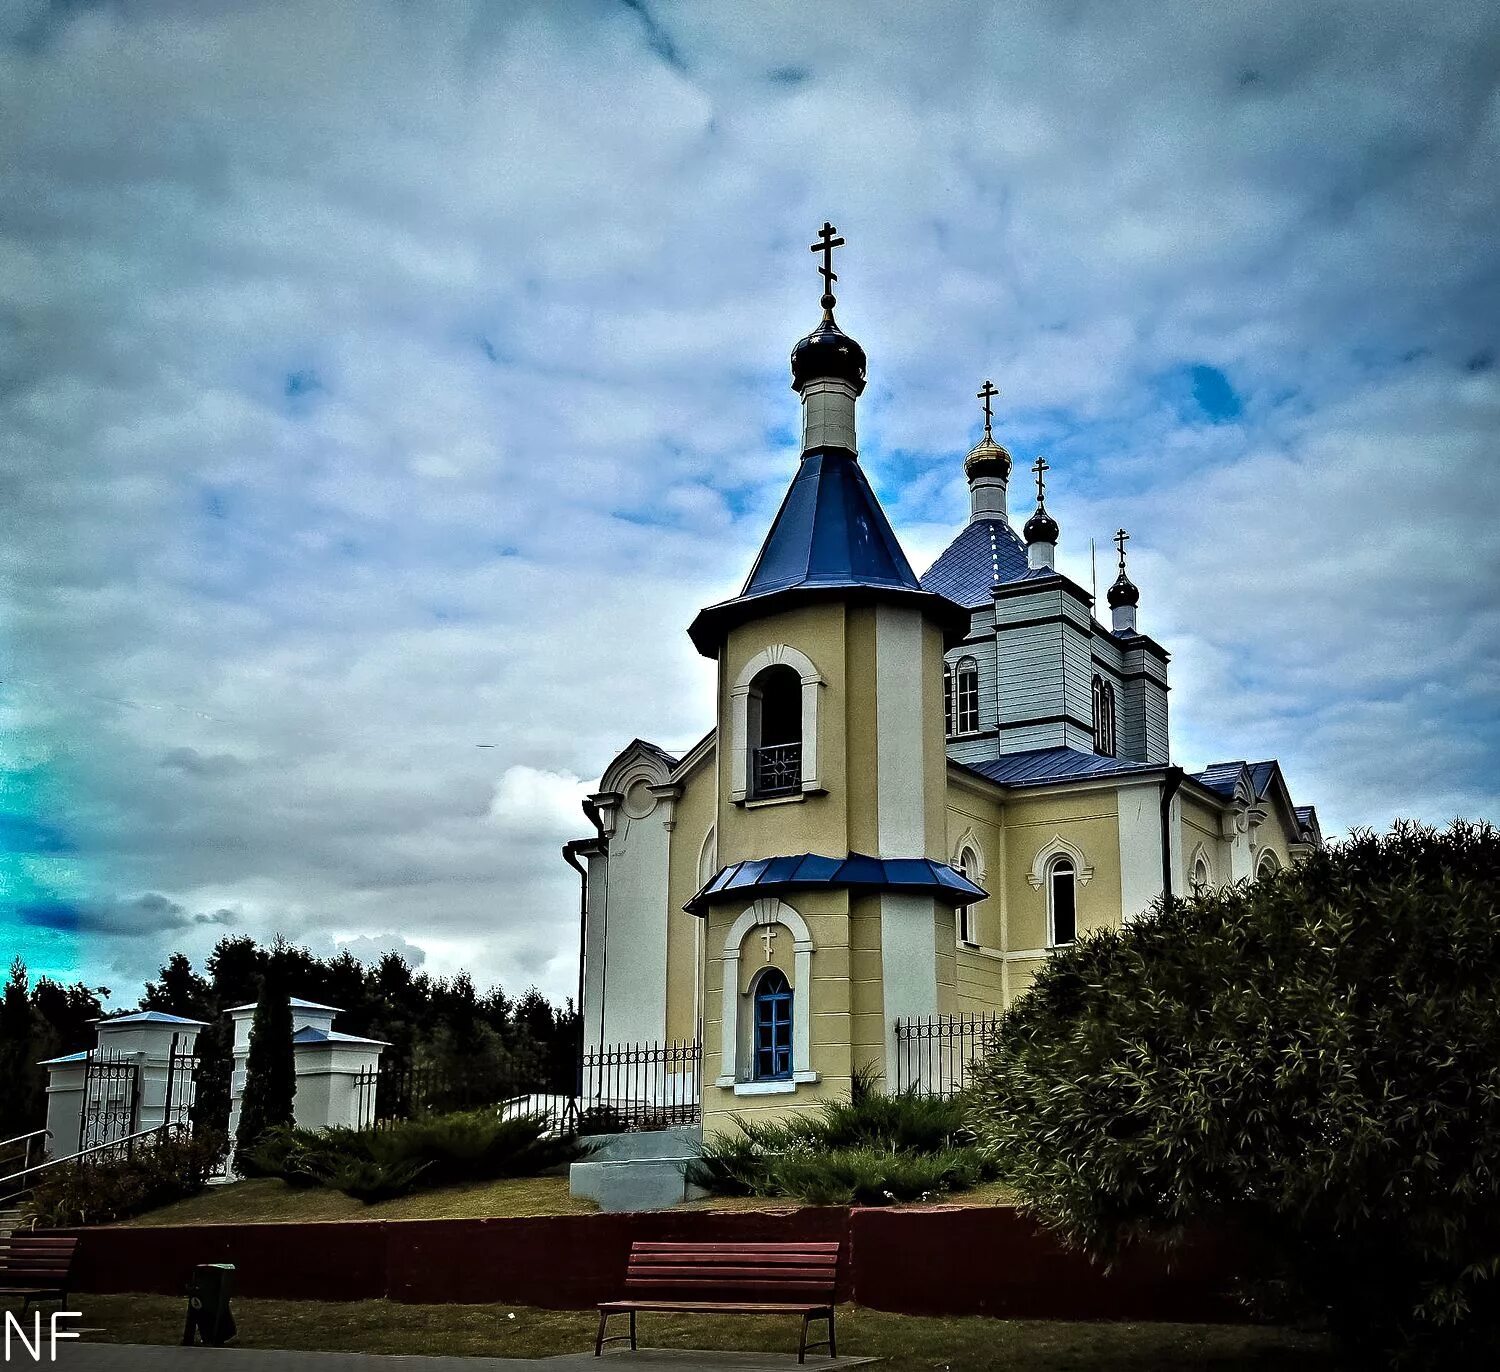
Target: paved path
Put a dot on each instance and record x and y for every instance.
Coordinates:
(139, 1357)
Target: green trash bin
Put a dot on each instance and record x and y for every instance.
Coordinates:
(208, 1314)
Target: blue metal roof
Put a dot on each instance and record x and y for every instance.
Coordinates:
(985, 553)
(856, 872)
(1039, 766)
(152, 1017)
(830, 531)
(1220, 776)
(830, 536)
(314, 1035)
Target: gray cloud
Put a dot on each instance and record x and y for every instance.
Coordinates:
(378, 382)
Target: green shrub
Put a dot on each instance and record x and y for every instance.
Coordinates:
(874, 1149)
(435, 1150)
(158, 1171)
(1311, 1062)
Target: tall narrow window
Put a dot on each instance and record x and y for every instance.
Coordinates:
(1062, 897)
(775, 733)
(773, 1027)
(966, 696)
(1104, 717)
(1202, 877)
(968, 864)
(948, 700)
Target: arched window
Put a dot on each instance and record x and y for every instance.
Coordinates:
(1202, 877)
(1268, 865)
(968, 864)
(773, 1027)
(1062, 901)
(775, 732)
(1104, 717)
(948, 700)
(966, 696)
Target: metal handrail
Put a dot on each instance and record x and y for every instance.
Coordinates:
(92, 1148)
(25, 1138)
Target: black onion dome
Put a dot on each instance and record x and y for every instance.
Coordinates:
(1123, 592)
(987, 458)
(828, 354)
(1041, 527)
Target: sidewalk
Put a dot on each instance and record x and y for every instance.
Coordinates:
(138, 1357)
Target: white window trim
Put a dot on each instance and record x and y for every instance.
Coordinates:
(1200, 854)
(766, 911)
(968, 842)
(1052, 864)
(967, 663)
(1268, 858)
(1055, 846)
(778, 654)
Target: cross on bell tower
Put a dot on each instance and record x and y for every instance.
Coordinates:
(1039, 466)
(826, 243)
(986, 393)
(1120, 539)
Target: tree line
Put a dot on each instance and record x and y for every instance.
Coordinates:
(441, 1028)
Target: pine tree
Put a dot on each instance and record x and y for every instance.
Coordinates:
(270, 1073)
(22, 1103)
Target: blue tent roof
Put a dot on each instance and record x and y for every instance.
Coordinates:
(1041, 766)
(857, 872)
(829, 536)
(986, 553)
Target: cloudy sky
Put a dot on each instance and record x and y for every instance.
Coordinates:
(383, 386)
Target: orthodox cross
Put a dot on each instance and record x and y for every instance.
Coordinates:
(1039, 466)
(768, 938)
(986, 393)
(1120, 538)
(826, 244)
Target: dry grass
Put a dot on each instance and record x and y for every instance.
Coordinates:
(270, 1201)
(905, 1343)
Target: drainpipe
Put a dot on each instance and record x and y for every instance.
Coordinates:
(570, 856)
(1170, 784)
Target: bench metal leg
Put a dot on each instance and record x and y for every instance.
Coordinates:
(632, 1331)
(830, 1343)
(600, 1340)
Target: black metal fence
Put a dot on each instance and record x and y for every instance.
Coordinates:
(935, 1054)
(617, 1088)
(111, 1100)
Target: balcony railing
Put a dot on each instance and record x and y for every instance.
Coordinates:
(778, 770)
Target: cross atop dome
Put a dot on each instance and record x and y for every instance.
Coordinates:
(826, 244)
(987, 392)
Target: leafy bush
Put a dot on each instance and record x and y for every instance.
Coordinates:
(871, 1150)
(437, 1150)
(158, 1171)
(1311, 1062)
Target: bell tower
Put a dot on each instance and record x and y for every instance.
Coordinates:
(832, 888)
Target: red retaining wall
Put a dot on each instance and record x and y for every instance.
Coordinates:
(945, 1260)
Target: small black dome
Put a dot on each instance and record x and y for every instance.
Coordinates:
(828, 354)
(1041, 527)
(1123, 592)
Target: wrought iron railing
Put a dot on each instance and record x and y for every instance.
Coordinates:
(615, 1088)
(778, 769)
(630, 1086)
(935, 1054)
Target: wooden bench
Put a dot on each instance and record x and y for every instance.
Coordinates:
(729, 1279)
(35, 1268)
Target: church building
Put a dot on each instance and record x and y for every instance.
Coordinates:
(915, 789)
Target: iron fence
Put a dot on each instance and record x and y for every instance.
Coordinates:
(616, 1088)
(935, 1054)
(630, 1086)
(111, 1100)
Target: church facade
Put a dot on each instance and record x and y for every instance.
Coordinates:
(915, 790)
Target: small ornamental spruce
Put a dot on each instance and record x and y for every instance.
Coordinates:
(270, 1070)
(1310, 1063)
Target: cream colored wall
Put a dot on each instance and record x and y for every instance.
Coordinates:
(1087, 819)
(696, 813)
(1201, 824)
(974, 817)
(836, 971)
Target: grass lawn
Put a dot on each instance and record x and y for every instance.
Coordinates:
(906, 1343)
(267, 1200)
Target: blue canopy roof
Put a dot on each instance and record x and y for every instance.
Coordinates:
(764, 876)
(829, 536)
(987, 552)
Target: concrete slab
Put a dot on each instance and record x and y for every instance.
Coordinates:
(634, 1183)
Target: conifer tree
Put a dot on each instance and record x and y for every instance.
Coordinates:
(270, 1074)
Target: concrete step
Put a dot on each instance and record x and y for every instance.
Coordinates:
(9, 1219)
(634, 1183)
(682, 1141)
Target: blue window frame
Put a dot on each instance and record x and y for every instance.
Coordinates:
(773, 1027)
